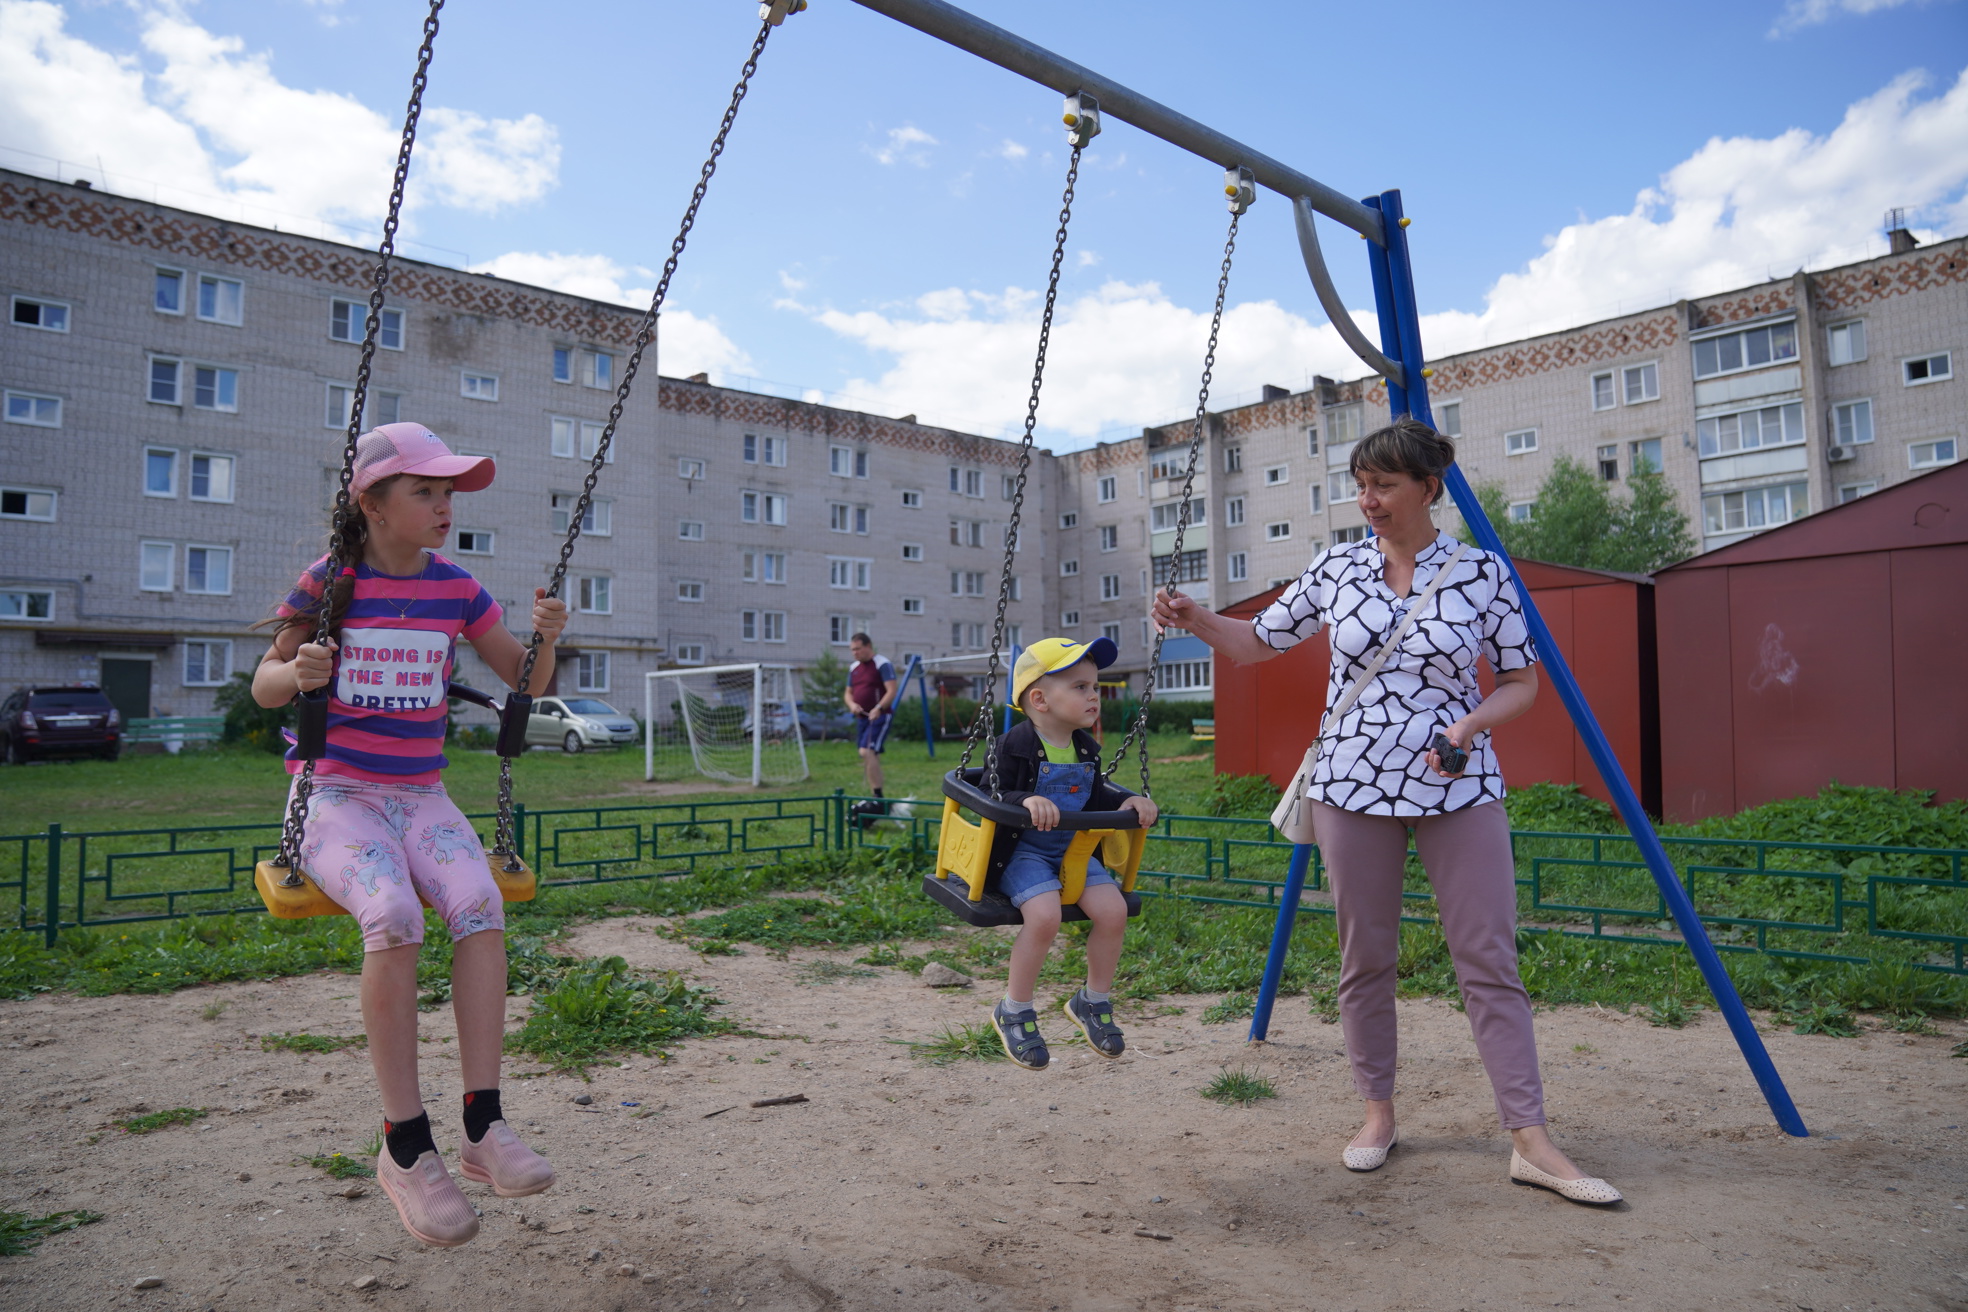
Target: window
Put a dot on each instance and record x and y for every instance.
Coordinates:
(1521, 442)
(341, 398)
(475, 541)
(1641, 382)
(1071, 519)
(1757, 507)
(748, 625)
(840, 518)
(1344, 426)
(848, 572)
(155, 563)
(167, 296)
(1609, 465)
(839, 627)
(1168, 466)
(1276, 474)
(1851, 423)
(1750, 349)
(1845, 342)
(215, 389)
(1644, 454)
(1340, 487)
(27, 503)
(1184, 676)
(762, 508)
(1233, 459)
(591, 671)
(1107, 489)
(1111, 632)
(861, 520)
(966, 532)
(1068, 568)
(966, 582)
(967, 482)
(1233, 510)
(165, 384)
(765, 567)
(690, 590)
(207, 662)
(1750, 430)
(973, 632)
(593, 594)
(1520, 511)
(840, 462)
(1312, 440)
(1069, 619)
(347, 321)
(599, 521)
(1449, 417)
(1110, 537)
(690, 530)
(1110, 587)
(211, 477)
(690, 653)
(1853, 491)
(1239, 566)
(1602, 392)
(597, 369)
(1932, 455)
(563, 365)
(1008, 486)
(912, 551)
(221, 300)
(208, 570)
(1928, 369)
(689, 469)
(772, 626)
(49, 316)
(26, 604)
(1278, 532)
(1193, 567)
(911, 499)
(912, 606)
(1014, 636)
(1163, 517)
(571, 437)
(160, 472)
(479, 387)
(30, 408)
(1358, 533)
(1315, 499)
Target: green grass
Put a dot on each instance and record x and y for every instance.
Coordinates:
(599, 1008)
(340, 1167)
(19, 1232)
(310, 1043)
(161, 1120)
(1238, 1006)
(1239, 1088)
(965, 1041)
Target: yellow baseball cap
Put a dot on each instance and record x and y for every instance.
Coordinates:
(1050, 654)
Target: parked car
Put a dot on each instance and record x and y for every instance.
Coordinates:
(77, 719)
(819, 721)
(575, 724)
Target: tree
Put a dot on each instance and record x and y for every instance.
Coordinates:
(1576, 520)
(825, 681)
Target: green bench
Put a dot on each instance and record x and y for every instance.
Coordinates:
(182, 728)
(1202, 731)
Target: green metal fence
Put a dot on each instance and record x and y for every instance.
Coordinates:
(1818, 901)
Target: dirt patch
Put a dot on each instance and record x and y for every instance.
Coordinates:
(977, 1185)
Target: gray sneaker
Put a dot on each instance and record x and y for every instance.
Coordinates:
(1019, 1032)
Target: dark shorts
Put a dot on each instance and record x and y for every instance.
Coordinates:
(874, 731)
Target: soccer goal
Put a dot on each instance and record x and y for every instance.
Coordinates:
(738, 723)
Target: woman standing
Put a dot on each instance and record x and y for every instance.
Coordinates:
(1378, 777)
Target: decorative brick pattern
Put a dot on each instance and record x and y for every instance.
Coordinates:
(1877, 280)
(824, 421)
(1459, 373)
(1754, 304)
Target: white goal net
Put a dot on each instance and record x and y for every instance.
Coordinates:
(736, 723)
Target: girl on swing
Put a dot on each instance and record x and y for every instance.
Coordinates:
(379, 828)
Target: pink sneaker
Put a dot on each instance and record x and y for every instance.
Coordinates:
(502, 1161)
(428, 1200)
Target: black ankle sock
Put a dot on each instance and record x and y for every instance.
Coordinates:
(409, 1140)
(878, 793)
(481, 1109)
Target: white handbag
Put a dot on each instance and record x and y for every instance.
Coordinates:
(1293, 816)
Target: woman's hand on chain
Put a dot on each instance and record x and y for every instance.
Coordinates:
(314, 664)
(549, 616)
(1173, 610)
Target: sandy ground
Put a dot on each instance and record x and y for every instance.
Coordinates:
(978, 1185)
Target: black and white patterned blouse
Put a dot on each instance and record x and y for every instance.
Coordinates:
(1374, 759)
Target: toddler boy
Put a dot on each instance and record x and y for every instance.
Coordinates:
(1049, 763)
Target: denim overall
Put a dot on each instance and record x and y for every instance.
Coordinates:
(1034, 864)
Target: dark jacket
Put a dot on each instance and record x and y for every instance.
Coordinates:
(1019, 755)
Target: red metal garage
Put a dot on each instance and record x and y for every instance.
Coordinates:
(1266, 714)
(1828, 649)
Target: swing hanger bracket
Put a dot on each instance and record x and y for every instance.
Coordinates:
(776, 12)
(1240, 185)
(1082, 117)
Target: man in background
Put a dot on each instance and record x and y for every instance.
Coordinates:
(870, 694)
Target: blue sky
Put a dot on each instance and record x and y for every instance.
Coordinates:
(886, 207)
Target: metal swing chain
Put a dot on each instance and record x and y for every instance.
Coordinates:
(1140, 726)
(505, 842)
(290, 832)
(981, 727)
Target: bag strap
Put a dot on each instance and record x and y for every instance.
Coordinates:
(1359, 685)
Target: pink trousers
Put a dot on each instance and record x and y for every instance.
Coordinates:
(1467, 857)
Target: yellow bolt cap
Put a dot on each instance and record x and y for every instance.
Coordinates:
(1428, 373)
(1071, 120)
(1405, 222)
(1229, 191)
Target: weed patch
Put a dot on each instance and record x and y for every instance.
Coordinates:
(310, 1043)
(1238, 1006)
(600, 1007)
(19, 1232)
(820, 973)
(968, 1041)
(1239, 1088)
(1830, 1019)
(161, 1120)
(340, 1167)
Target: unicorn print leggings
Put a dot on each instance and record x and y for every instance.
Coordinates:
(377, 848)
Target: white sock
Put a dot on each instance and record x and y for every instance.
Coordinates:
(1096, 998)
(1014, 1006)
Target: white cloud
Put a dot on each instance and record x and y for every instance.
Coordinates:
(197, 117)
(1738, 211)
(1011, 150)
(687, 343)
(1086, 259)
(906, 145)
(1809, 13)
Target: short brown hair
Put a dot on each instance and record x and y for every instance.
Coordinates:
(861, 638)
(1406, 446)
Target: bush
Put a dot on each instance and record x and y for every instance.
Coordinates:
(1249, 796)
(1117, 716)
(246, 721)
(951, 713)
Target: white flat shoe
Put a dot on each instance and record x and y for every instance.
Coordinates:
(1589, 1190)
(1368, 1159)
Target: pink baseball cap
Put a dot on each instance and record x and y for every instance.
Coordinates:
(413, 449)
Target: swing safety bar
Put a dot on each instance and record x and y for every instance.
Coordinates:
(964, 788)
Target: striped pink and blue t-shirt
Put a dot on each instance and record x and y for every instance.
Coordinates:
(387, 712)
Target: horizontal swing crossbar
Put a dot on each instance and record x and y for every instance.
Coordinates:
(1009, 51)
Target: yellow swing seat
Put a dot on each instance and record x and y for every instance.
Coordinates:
(964, 853)
(304, 898)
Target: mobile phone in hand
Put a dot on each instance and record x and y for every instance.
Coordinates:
(1453, 757)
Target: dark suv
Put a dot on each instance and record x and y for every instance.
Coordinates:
(38, 722)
